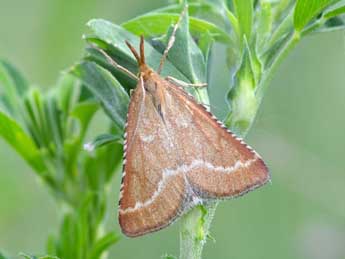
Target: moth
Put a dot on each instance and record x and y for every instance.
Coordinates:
(176, 154)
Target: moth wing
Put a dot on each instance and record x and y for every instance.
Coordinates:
(175, 159)
(151, 197)
(216, 163)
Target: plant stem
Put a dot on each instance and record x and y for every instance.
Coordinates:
(195, 230)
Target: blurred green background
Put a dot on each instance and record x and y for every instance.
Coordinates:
(300, 131)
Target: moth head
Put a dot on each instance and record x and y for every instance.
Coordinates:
(145, 71)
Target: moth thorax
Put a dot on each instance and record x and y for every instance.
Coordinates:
(145, 72)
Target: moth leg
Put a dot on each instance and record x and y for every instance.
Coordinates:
(184, 84)
(171, 40)
(115, 64)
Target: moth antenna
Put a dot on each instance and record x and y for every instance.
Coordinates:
(134, 52)
(142, 50)
(171, 40)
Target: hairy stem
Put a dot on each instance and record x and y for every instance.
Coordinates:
(195, 230)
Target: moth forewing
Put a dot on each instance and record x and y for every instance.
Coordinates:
(146, 189)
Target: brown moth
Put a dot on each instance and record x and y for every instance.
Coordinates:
(177, 155)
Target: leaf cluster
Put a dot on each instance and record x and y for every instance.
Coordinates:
(257, 35)
(48, 131)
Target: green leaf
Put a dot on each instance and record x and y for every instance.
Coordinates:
(185, 54)
(241, 97)
(281, 9)
(2, 256)
(264, 24)
(105, 161)
(116, 36)
(52, 114)
(244, 13)
(332, 18)
(187, 57)
(102, 140)
(235, 26)
(103, 244)
(158, 23)
(68, 88)
(209, 11)
(117, 55)
(335, 10)
(51, 244)
(35, 119)
(84, 111)
(205, 44)
(87, 219)
(278, 38)
(67, 243)
(107, 154)
(332, 24)
(19, 81)
(13, 88)
(44, 122)
(15, 136)
(107, 90)
(306, 10)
